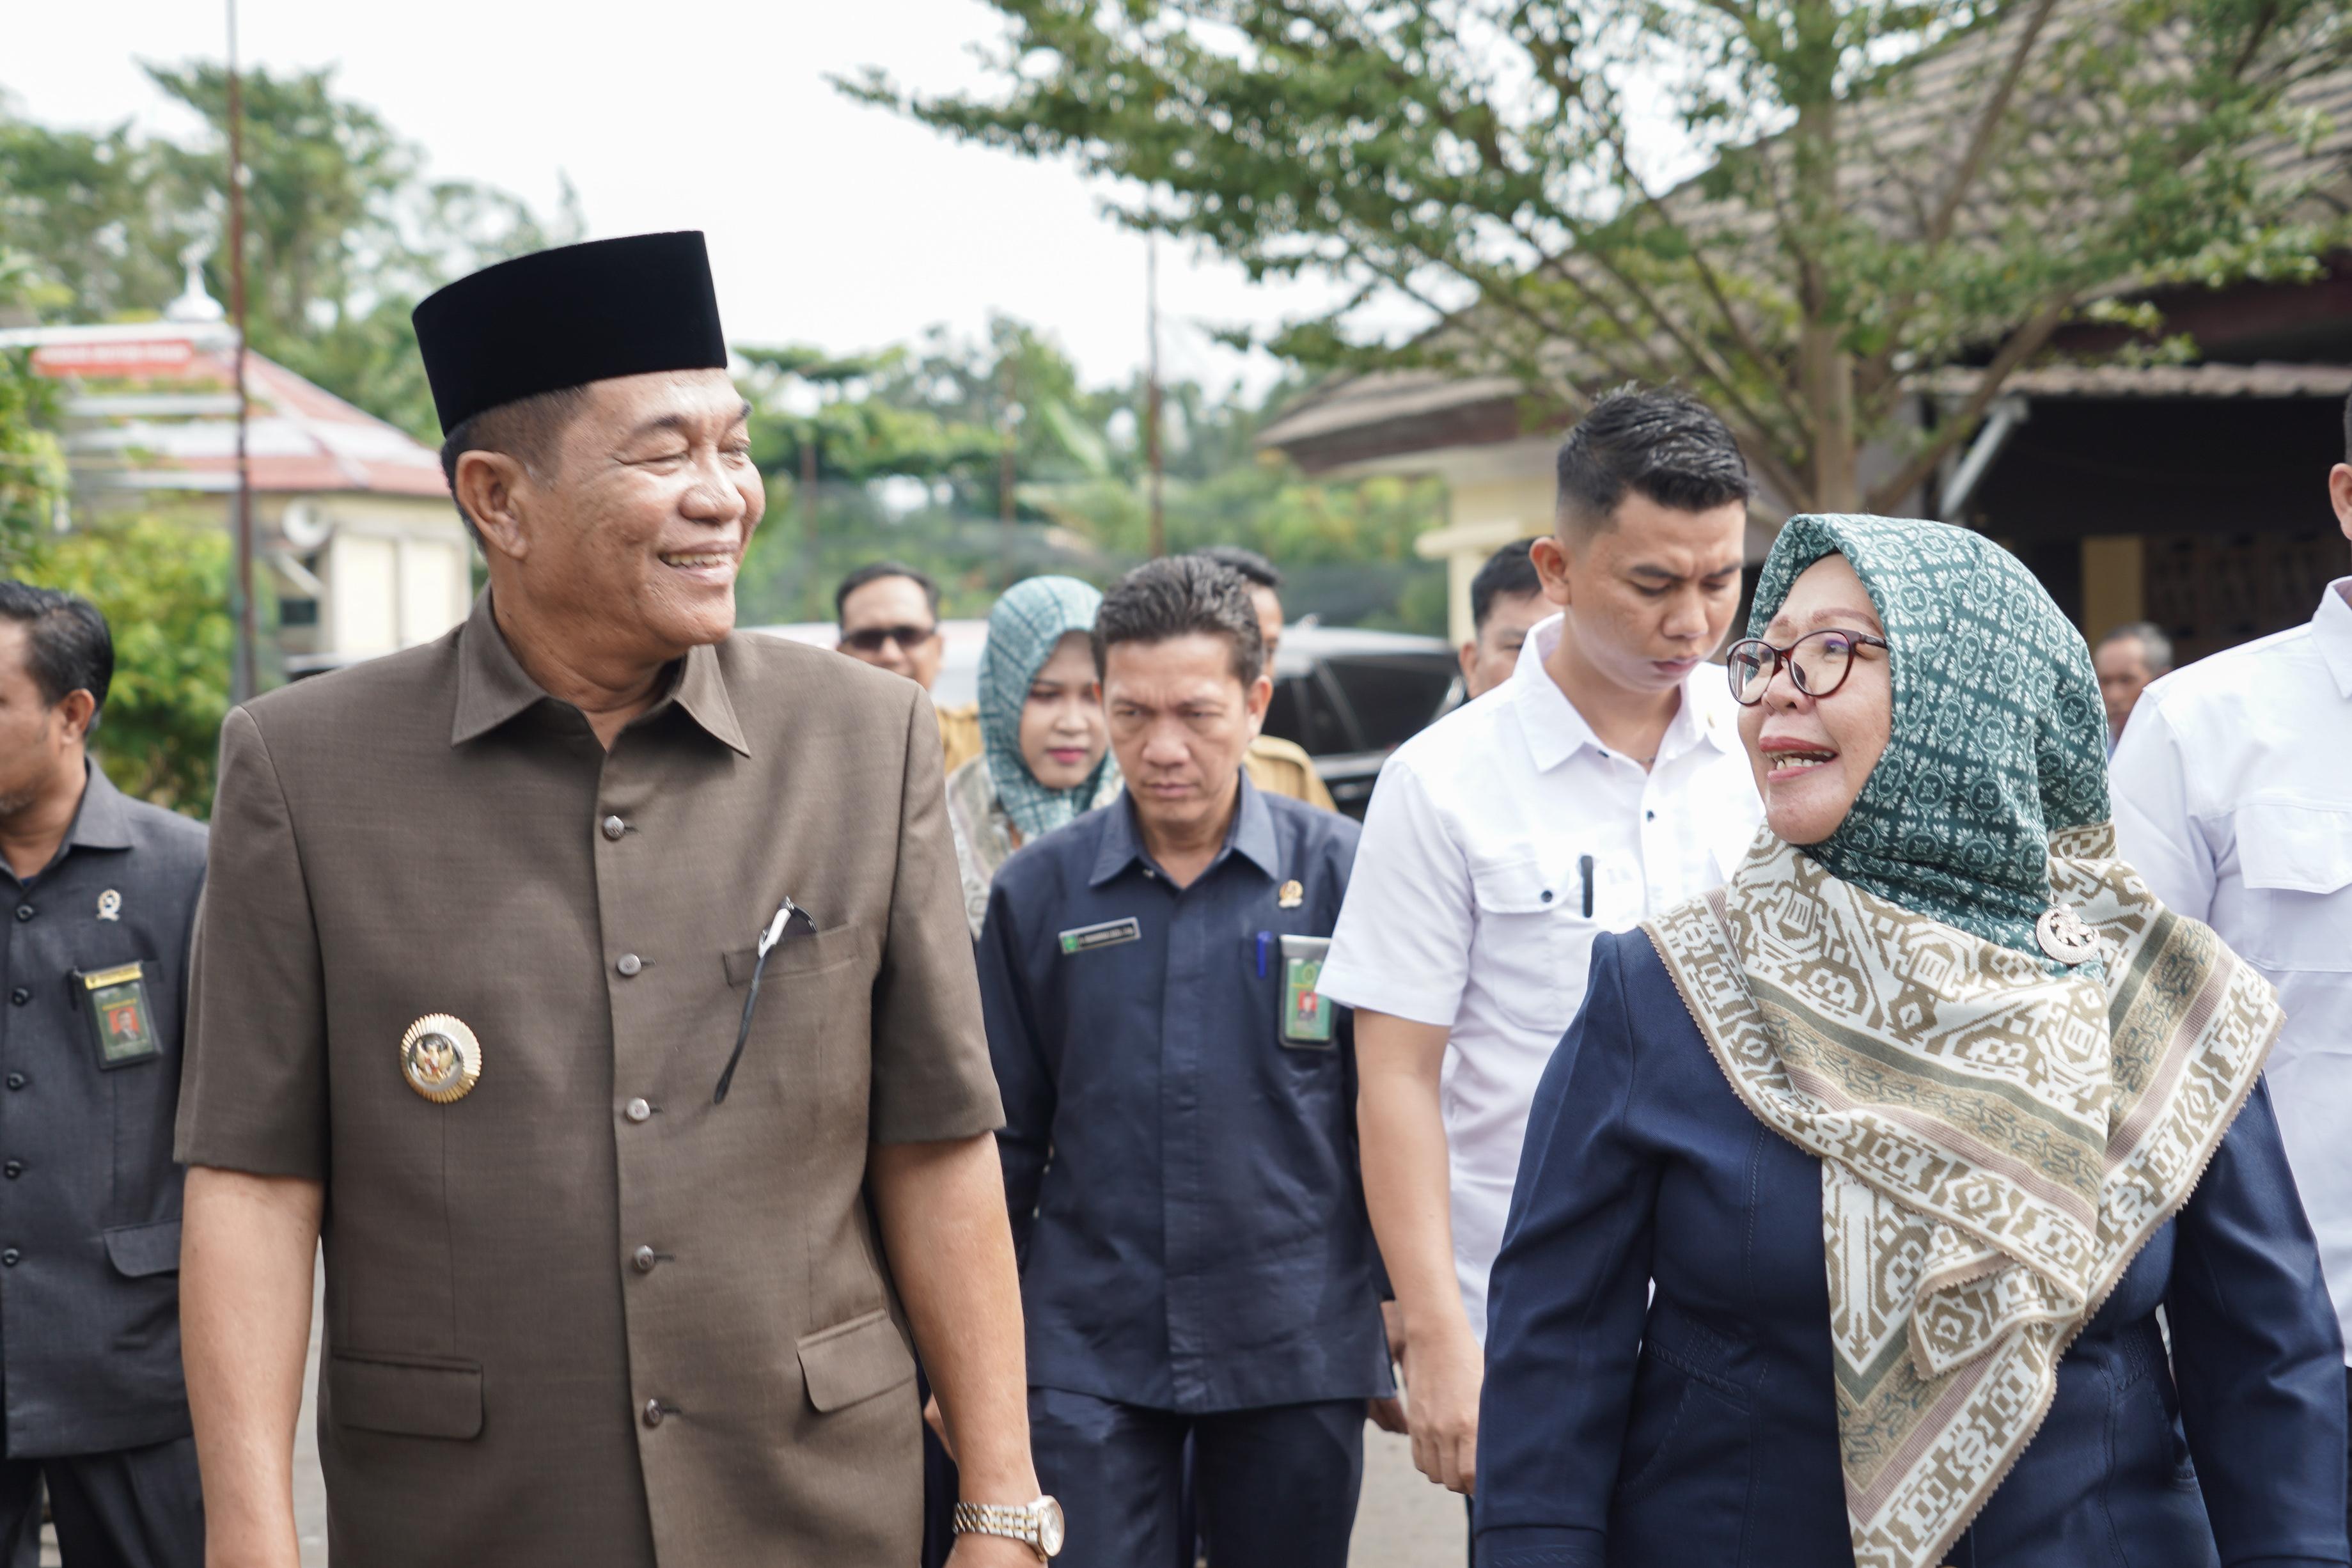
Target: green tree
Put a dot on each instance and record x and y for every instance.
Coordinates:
(32, 463)
(1889, 186)
(345, 229)
(909, 450)
(162, 585)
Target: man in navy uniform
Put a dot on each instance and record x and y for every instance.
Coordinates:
(100, 893)
(1180, 1118)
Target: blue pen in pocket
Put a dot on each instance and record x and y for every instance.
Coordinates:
(1264, 941)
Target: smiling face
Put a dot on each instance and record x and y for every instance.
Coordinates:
(1062, 731)
(1180, 721)
(1649, 596)
(626, 543)
(1813, 755)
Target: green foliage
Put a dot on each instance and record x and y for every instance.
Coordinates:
(162, 582)
(32, 463)
(345, 231)
(910, 447)
(1886, 186)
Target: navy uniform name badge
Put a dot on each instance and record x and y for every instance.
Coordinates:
(1306, 1016)
(122, 1021)
(1109, 933)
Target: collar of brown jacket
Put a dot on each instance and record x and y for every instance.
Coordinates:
(493, 686)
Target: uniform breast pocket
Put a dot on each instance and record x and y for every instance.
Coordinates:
(2296, 858)
(1533, 938)
(813, 989)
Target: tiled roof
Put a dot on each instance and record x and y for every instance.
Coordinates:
(173, 425)
(1910, 130)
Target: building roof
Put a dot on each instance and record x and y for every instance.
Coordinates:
(1894, 145)
(152, 405)
(2268, 379)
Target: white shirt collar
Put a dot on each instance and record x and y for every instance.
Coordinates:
(2331, 632)
(1556, 732)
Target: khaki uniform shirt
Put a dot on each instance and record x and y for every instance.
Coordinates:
(960, 739)
(582, 1314)
(1283, 767)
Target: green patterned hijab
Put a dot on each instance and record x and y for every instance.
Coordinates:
(1031, 617)
(1998, 737)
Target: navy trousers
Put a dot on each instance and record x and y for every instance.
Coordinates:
(140, 1507)
(1275, 1488)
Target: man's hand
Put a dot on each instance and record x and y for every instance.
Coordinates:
(1388, 1414)
(991, 1552)
(1444, 1374)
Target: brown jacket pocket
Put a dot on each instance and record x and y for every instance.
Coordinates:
(413, 1398)
(855, 1361)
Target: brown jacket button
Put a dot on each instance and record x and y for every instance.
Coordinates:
(636, 1110)
(629, 964)
(615, 827)
(644, 1259)
(654, 1413)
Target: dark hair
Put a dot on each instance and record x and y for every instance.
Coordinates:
(874, 572)
(66, 645)
(1176, 597)
(1509, 572)
(2155, 647)
(1666, 443)
(1255, 569)
(529, 430)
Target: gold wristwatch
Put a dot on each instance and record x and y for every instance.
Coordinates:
(1038, 1523)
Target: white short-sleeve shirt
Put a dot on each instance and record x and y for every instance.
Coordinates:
(2233, 798)
(1468, 908)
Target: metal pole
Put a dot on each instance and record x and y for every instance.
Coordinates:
(1005, 474)
(1151, 395)
(242, 679)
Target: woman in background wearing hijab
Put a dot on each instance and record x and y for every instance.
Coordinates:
(1849, 1200)
(1046, 750)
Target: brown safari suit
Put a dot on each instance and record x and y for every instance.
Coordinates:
(583, 1315)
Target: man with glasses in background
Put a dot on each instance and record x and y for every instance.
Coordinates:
(889, 617)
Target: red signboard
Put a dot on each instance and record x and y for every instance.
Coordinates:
(117, 357)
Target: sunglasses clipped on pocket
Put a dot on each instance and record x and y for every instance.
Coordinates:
(786, 913)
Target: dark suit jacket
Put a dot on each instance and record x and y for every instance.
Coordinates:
(1700, 1425)
(90, 1199)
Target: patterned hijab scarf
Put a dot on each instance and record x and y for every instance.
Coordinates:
(1999, 739)
(1028, 622)
(1999, 1131)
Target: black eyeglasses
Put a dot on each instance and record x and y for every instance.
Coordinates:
(1818, 662)
(871, 639)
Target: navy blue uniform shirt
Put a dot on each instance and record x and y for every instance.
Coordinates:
(1182, 1182)
(90, 1199)
(1698, 1425)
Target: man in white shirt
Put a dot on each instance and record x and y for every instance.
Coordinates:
(2233, 797)
(1603, 782)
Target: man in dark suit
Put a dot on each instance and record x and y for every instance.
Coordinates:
(101, 893)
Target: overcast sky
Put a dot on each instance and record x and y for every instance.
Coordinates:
(830, 223)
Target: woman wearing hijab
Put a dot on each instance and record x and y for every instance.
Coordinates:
(1045, 751)
(1848, 1199)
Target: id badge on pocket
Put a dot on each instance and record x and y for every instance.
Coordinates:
(1306, 1016)
(122, 1021)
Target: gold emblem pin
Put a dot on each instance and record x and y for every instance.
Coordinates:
(440, 1058)
(1291, 896)
(110, 905)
